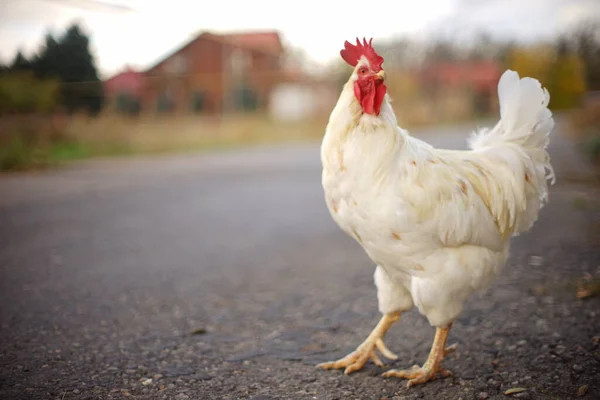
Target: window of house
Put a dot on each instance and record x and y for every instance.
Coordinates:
(245, 98)
(165, 101)
(198, 101)
(177, 65)
(276, 62)
(128, 104)
(239, 62)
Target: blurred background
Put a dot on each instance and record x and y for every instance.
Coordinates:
(82, 78)
(208, 266)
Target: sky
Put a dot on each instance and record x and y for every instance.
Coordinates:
(140, 32)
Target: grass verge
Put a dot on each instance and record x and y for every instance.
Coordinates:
(45, 141)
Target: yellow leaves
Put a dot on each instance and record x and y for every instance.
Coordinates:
(532, 61)
(562, 73)
(588, 286)
(567, 82)
(582, 390)
(515, 390)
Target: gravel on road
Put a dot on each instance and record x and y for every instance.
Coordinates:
(223, 277)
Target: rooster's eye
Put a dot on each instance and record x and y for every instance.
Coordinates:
(362, 71)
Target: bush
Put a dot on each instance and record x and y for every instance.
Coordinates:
(22, 93)
(30, 128)
(30, 140)
(585, 124)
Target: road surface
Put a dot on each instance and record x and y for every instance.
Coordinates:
(222, 276)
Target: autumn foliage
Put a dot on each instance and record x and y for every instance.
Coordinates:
(561, 71)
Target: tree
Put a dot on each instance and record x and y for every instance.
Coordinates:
(557, 67)
(586, 42)
(69, 60)
(531, 61)
(504, 52)
(47, 63)
(566, 78)
(20, 63)
(442, 50)
(82, 87)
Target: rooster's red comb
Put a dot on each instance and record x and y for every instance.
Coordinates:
(352, 53)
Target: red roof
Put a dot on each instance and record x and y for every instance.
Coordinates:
(266, 41)
(128, 81)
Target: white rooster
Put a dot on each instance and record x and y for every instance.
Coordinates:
(437, 223)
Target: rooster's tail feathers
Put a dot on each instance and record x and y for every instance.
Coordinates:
(518, 142)
(525, 119)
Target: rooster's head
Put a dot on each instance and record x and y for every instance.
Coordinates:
(368, 76)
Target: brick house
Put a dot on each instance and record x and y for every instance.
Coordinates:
(214, 72)
(124, 89)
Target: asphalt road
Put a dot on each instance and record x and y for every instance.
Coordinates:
(222, 276)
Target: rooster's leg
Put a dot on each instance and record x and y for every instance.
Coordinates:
(432, 366)
(355, 360)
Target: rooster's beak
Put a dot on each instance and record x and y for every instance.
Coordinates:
(380, 75)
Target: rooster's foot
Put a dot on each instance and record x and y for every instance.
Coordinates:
(366, 351)
(357, 359)
(416, 374)
(432, 367)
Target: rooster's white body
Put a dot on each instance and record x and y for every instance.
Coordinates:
(437, 223)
